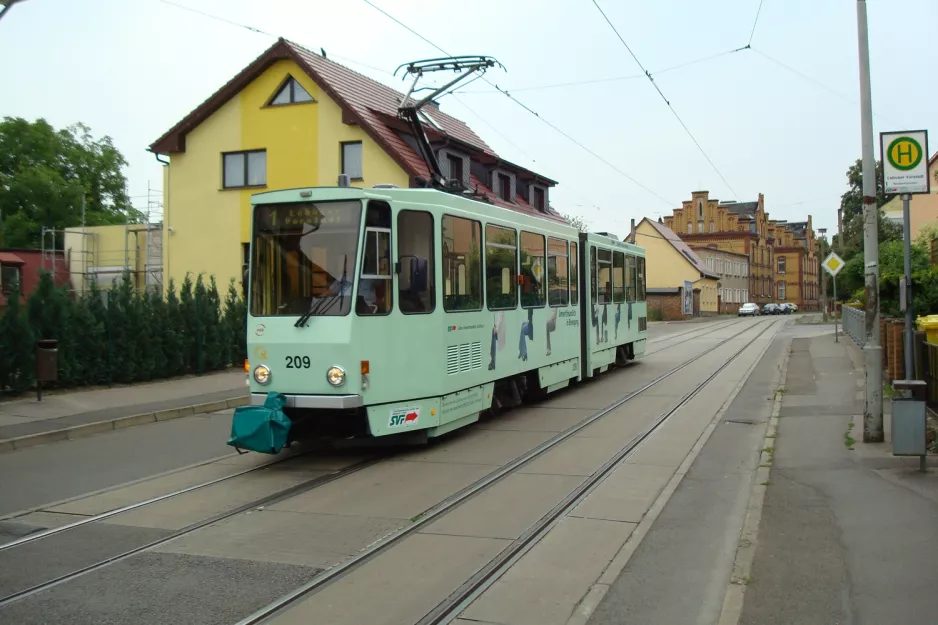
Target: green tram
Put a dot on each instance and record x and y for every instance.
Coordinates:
(386, 311)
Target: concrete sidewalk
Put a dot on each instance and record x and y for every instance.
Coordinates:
(848, 532)
(65, 415)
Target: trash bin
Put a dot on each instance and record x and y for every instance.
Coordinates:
(47, 363)
(929, 324)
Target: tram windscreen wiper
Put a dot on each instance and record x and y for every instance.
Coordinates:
(319, 305)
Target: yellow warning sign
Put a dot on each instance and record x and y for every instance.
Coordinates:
(833, 264)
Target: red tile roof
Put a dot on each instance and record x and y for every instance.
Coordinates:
(369, 103)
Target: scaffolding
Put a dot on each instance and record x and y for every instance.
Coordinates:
(101, 255)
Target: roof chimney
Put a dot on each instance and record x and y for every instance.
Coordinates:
(633, 232)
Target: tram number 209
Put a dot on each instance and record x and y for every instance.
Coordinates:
(297, 362)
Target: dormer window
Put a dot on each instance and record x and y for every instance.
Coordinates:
(291, 92)
(504, 187)
(539, 202)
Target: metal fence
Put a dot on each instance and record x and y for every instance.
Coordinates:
(854, 321)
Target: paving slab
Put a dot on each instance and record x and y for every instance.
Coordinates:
(628, 420)
(536, 419)
(161, 589)
(142, 491)
(39, 561)
(317, 540)
(387, 490)
(178, 512)
(545, 586)
(39, 476)
(679, 571)
(508, 508)
(575, 456)
(477, 446)
(865, 522)
(626, 495)
(401, 585)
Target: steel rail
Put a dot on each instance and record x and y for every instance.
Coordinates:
(106, 515)
(458, 601)
(330, 575)
(263, 501)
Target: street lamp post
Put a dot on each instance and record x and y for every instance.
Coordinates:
(823, 232)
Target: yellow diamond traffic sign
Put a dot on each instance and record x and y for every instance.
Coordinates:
(833, 264)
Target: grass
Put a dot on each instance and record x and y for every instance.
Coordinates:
(765, 483)
(888, 391)
(769, 450)
(849, 441)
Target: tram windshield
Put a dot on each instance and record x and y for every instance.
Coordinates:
(304, 258)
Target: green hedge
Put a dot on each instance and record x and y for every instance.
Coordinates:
(122, 335)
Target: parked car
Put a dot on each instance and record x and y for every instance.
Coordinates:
(786, 308)
(748, 310)
(792, 307)
(770, 309)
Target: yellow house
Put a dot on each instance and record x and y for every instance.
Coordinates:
(293, 118)
(670, 262)
(923, 208)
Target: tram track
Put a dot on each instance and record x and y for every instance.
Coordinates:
(707, 331)
(490, 573)
(278, 496)
(306, 486)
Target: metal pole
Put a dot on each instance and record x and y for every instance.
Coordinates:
(824, 295)
(836, 334)
(872, 350)
(907, 239)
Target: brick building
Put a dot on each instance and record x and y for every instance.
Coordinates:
(745, 228)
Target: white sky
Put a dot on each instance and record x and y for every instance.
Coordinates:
(133, 68)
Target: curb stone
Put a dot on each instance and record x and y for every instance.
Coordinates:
(89, 429)
(734, 598)
(594, 596)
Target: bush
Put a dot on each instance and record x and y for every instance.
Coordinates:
(122, 335)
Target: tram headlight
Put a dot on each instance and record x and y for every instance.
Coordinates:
(335, 375)
(262, 374)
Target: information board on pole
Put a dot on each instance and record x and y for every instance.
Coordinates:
(905, 161)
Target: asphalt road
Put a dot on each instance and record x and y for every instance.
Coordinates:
(40, 475)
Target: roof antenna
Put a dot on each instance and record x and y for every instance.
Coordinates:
(410, 107)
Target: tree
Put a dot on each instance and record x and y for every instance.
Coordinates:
(16, 345)
(927, 233)
(44, 174)
(852, 204)
(577, 222)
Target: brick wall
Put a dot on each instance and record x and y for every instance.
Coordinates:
(669, 305)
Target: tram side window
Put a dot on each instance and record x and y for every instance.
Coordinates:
(604, 276)
(532, 270)
(501, 258)
(641, 279)
(416, 292)
(462, 273)
(574, 276)
(375, 295)
(631, 278)
(557, 284)
(593, 273)
(618, 277)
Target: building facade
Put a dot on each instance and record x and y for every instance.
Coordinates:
(24, 266)
(294, 119)
(797, 267)
(923, 209)
(671, 263)
(745, 228)
(732, 270)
